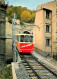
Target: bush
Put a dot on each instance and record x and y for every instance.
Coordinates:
(7, 73)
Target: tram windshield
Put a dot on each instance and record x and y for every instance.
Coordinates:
(26, 38)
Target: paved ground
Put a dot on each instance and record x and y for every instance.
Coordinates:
(19, 71)
(49, 61)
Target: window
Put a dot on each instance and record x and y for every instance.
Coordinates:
(31, 39)
(22, 38)
(47, 42)
(47, 14)
(26, 38)
(47, 28)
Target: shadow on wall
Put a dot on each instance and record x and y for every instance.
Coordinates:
(43, 53)
(8, 61)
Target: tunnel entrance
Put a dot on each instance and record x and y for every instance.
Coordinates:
(26, 32)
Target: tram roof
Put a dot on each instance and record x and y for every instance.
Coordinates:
(24, 34)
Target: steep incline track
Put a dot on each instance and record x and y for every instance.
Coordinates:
(36, 69)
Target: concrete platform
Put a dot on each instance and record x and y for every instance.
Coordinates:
(47, 61)
(19, 71)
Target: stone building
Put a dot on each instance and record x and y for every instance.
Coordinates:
(45, 37)
(21, 29)
(8, 46)
(3, 8)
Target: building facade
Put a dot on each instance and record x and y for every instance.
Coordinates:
(45, 37)
(3, 8)
(8, 35)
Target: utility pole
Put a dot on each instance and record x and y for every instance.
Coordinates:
(14, 39)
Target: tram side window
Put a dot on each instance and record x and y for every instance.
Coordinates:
(31, 38)
(17, 37)
(22, 38)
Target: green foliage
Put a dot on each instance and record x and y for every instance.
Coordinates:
(7, 73)
(9, 11)
(19, 12)
(10, 20)
(33, 17)
(21, 23)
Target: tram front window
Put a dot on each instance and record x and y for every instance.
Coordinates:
(26, 39)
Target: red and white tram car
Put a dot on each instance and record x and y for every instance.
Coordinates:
(24, 43)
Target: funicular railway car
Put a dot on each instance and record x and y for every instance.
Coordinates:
(24, 43)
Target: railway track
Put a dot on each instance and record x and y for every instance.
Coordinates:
(36, 69)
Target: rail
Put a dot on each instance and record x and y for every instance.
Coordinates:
(32, 64)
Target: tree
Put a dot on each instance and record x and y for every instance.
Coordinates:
(33, 17)
(26, 16)
(21, 13)
(9, 11)
(12, 15)
(10, 19)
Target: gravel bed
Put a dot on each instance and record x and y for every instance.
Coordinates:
(21, 72)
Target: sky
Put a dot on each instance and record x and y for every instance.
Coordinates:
(30, 4)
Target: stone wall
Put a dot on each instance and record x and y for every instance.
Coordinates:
(2, 34)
